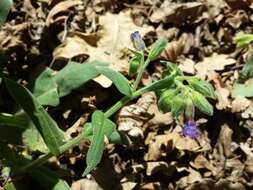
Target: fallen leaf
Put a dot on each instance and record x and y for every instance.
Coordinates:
(177, 13)
(84, 184)
(216, 62)
(222, 96)
(240, 104)
(61, 7)
(112, 42)
(187, 66)
(115, 37)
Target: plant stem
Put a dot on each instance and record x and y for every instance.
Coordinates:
(141, 71)
(41, 160)
(75, 141)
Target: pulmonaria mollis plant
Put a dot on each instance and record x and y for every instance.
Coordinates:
(179, 96)
(176, 93)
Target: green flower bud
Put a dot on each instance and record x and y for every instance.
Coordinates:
(157, 48)
(189, 109)
(134, 64)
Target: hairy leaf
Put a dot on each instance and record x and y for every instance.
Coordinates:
(201, 103)
(47, 127)
(157, 48)
(74, 74)
(45, 89)
(102, 127)
(202, 87)
(5, 6)
(117, 78)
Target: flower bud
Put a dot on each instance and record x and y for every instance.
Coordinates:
(189, 109)
(157, 49)
(137, 41)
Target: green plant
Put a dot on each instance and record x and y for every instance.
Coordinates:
(176, 93)
(5, 6)
(243, 86)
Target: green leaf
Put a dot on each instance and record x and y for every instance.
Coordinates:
(43, 175)
(5, 6)
(243, 39)
(244, 90)
(74, 74)
(15, 186)
(45, 89)
(202, 87)
(247, 70)
(117, 78)
(201, 103)
(178, 106)
(134, 64)
(48, 179)
(18, 129)
(157, 48)
(165, 101)
(47, 127)
(160, 84)
(102, 127)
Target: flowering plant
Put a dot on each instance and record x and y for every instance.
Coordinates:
(176, 93)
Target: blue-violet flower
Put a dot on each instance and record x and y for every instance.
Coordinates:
(137, 41)
(190, 129)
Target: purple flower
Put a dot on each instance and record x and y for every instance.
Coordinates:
(190, 129)
(137, 40)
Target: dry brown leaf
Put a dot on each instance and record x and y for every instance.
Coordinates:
(163, 144)
(131, 118)
(222, 96)
(194, 176)
(225, 140)
(179, 47)
(237, 19)
(85, 184)
(214, 7)
(201, 162)
(154, 167)
(177, 13)
(61, 7)
(216, 62)
(240, 104)
(114, 39)
(187, 66)
(74, 45)
(248, 113)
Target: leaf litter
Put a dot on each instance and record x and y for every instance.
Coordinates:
(49, 33)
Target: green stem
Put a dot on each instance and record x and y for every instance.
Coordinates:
(41, 160)
(75, 141)
(141, 71)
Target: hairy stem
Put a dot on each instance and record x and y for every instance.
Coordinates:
(141, 71)
(75, 141)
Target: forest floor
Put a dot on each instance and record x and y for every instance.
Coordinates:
(48, 33)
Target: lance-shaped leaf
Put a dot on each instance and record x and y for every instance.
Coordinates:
(202, 87)
(5, 6)
(74, 74)
(45, 89)
(201, 103)
(102, 127)
(43, 175)
(178, 105)
(157, 48)
(243, 39)
(51, 133)
(117, 78)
